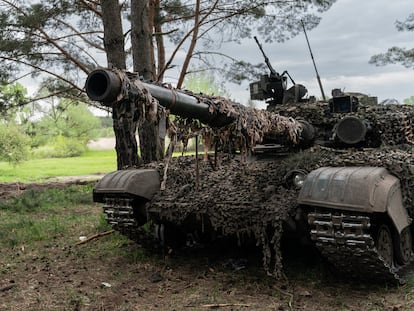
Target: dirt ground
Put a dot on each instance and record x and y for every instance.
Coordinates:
(111, 273)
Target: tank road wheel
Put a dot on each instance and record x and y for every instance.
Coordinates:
(384, 245)
(404, 247)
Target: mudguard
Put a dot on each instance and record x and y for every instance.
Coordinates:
(359, 189)
(142, 183)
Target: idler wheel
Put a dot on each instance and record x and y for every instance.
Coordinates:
(404, 247)
(384, 245)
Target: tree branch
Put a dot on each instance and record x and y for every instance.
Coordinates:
(48, 39)
(42, 70)
(167, 65)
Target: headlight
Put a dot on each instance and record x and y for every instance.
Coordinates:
(295, 179)
(298, 180)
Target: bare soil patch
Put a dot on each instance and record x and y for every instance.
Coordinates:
(8, 190)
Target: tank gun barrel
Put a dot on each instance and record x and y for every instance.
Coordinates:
(106, 86)
(111, 86)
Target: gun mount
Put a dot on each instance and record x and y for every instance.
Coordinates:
(272, 87)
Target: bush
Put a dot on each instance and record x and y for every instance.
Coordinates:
(65, 147)
(61, 147)
(13, 144)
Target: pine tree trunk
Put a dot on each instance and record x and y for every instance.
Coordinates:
(124, 114)
(151, 145)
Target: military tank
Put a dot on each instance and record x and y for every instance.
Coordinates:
(337, 172)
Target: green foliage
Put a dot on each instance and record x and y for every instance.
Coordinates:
(12, 98)
(25, 32)
(205, 83)
(13, 144)
(397, 55)
(409, 101)
(30, 32)
(63, 147)
(64, 131)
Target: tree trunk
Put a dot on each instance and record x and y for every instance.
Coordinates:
(159, 39)
(192, 46)
(125, 119)
(113, 34)
(141, 37)
(151, 145)
(124, 114)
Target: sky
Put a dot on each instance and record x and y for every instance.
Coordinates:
(350, 32)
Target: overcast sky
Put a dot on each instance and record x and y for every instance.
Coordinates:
(342, 44)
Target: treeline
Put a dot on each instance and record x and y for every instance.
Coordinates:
(50, 129)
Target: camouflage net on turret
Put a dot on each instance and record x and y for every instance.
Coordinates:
(250, 125)
(393, 123)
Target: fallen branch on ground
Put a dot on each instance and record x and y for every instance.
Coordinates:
(220, 305)
(8, 287)
(95, 236)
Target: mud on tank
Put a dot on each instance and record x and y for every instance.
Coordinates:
(340, 172)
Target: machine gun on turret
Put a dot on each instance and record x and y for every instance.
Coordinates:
(272, 87)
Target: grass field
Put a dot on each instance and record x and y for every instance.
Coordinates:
(91, 162)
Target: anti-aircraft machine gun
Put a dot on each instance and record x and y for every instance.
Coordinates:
(340, 127)
(272, 87)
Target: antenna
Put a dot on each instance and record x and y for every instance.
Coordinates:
(313, 60)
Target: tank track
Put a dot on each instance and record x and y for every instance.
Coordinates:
(345, 241)
(119, 213)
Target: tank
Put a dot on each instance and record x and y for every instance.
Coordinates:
(337, 173)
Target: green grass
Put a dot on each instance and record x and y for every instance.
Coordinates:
(90, 162)
(33, 200)
(37, 215)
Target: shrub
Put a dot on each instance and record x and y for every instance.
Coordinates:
(61, 147)
(13, 144)
(65, 147)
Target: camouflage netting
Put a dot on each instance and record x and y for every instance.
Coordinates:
(250, 198)
(241, 197)
(235, 198)
(393, 123)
